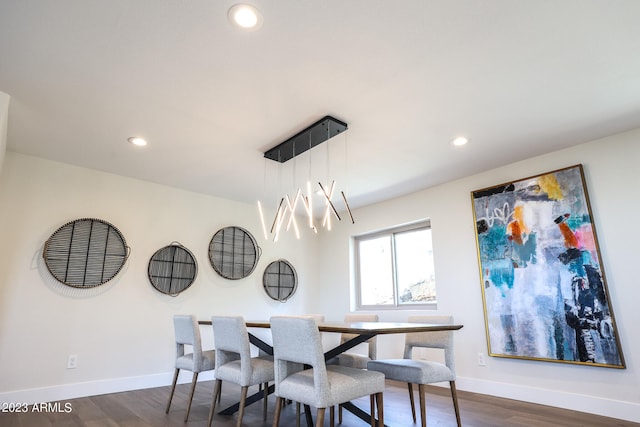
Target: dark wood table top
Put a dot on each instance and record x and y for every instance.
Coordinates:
(375, 328)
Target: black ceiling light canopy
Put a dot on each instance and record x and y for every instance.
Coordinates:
(319, 132)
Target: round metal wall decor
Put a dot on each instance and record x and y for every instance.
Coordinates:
(172, 269)
(85, 253)
(233, 253)
(280, 280)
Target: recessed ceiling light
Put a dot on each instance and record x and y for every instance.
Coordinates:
(245, 16)
(460, 141)
(135, 140)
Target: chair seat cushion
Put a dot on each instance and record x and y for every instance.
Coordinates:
(345, 384)
(261, 372)
(207, 364)
(412, 371)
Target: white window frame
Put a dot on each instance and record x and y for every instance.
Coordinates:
(422, 224)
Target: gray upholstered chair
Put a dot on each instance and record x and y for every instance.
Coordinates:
(235, 364)
(187, 333)
(423, 372)
(353, 359)
(320, 319)
(296, 345)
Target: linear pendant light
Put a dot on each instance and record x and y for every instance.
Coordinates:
(311, 136)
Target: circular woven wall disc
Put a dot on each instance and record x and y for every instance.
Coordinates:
(172, 269)
(85, 253)
(280, 280)
(233, 253)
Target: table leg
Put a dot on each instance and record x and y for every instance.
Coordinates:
(251, 399)
(364, 416)
(307, 415)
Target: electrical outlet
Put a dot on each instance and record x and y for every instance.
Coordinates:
(481, 361)
(72, 361)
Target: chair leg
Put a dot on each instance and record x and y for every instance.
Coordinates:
(264, 404)
(454, 396)
(320, 417)
(243, 399)
(423, 411)
(380, 405)
(332, 414)
(297, 414)
(193, 388)
(276, 414)
(413, 405)
(339, 414)
(372, 405)
(217, 389)
(173, 388)
(372, 411)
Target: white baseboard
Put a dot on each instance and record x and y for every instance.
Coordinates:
(93, 388)
(628, 411)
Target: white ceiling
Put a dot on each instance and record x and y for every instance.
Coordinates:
(519, 78)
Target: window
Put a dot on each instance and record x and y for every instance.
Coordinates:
(394, 268)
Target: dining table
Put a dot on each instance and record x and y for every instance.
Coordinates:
(362, 331)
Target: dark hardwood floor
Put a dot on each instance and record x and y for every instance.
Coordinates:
(145, 408)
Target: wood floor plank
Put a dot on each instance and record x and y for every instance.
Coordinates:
(146, 408)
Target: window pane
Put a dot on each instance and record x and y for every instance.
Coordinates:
(414, 267)
(376, 274)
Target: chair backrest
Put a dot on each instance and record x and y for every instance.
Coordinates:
(297, 342)
(372, 342)
(231, 341)
(440, 339)
(187, 332)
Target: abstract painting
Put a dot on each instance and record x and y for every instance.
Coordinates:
(544, 290)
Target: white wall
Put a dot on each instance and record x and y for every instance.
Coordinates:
(4, 117)
(610, 167)
(122, 331)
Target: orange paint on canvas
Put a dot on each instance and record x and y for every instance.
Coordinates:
(518, 215)
(570, 240)
(514, 230)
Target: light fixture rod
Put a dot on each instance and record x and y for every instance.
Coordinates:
(278, 213)
(328, 198)
(319, 132)
(347, 206)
